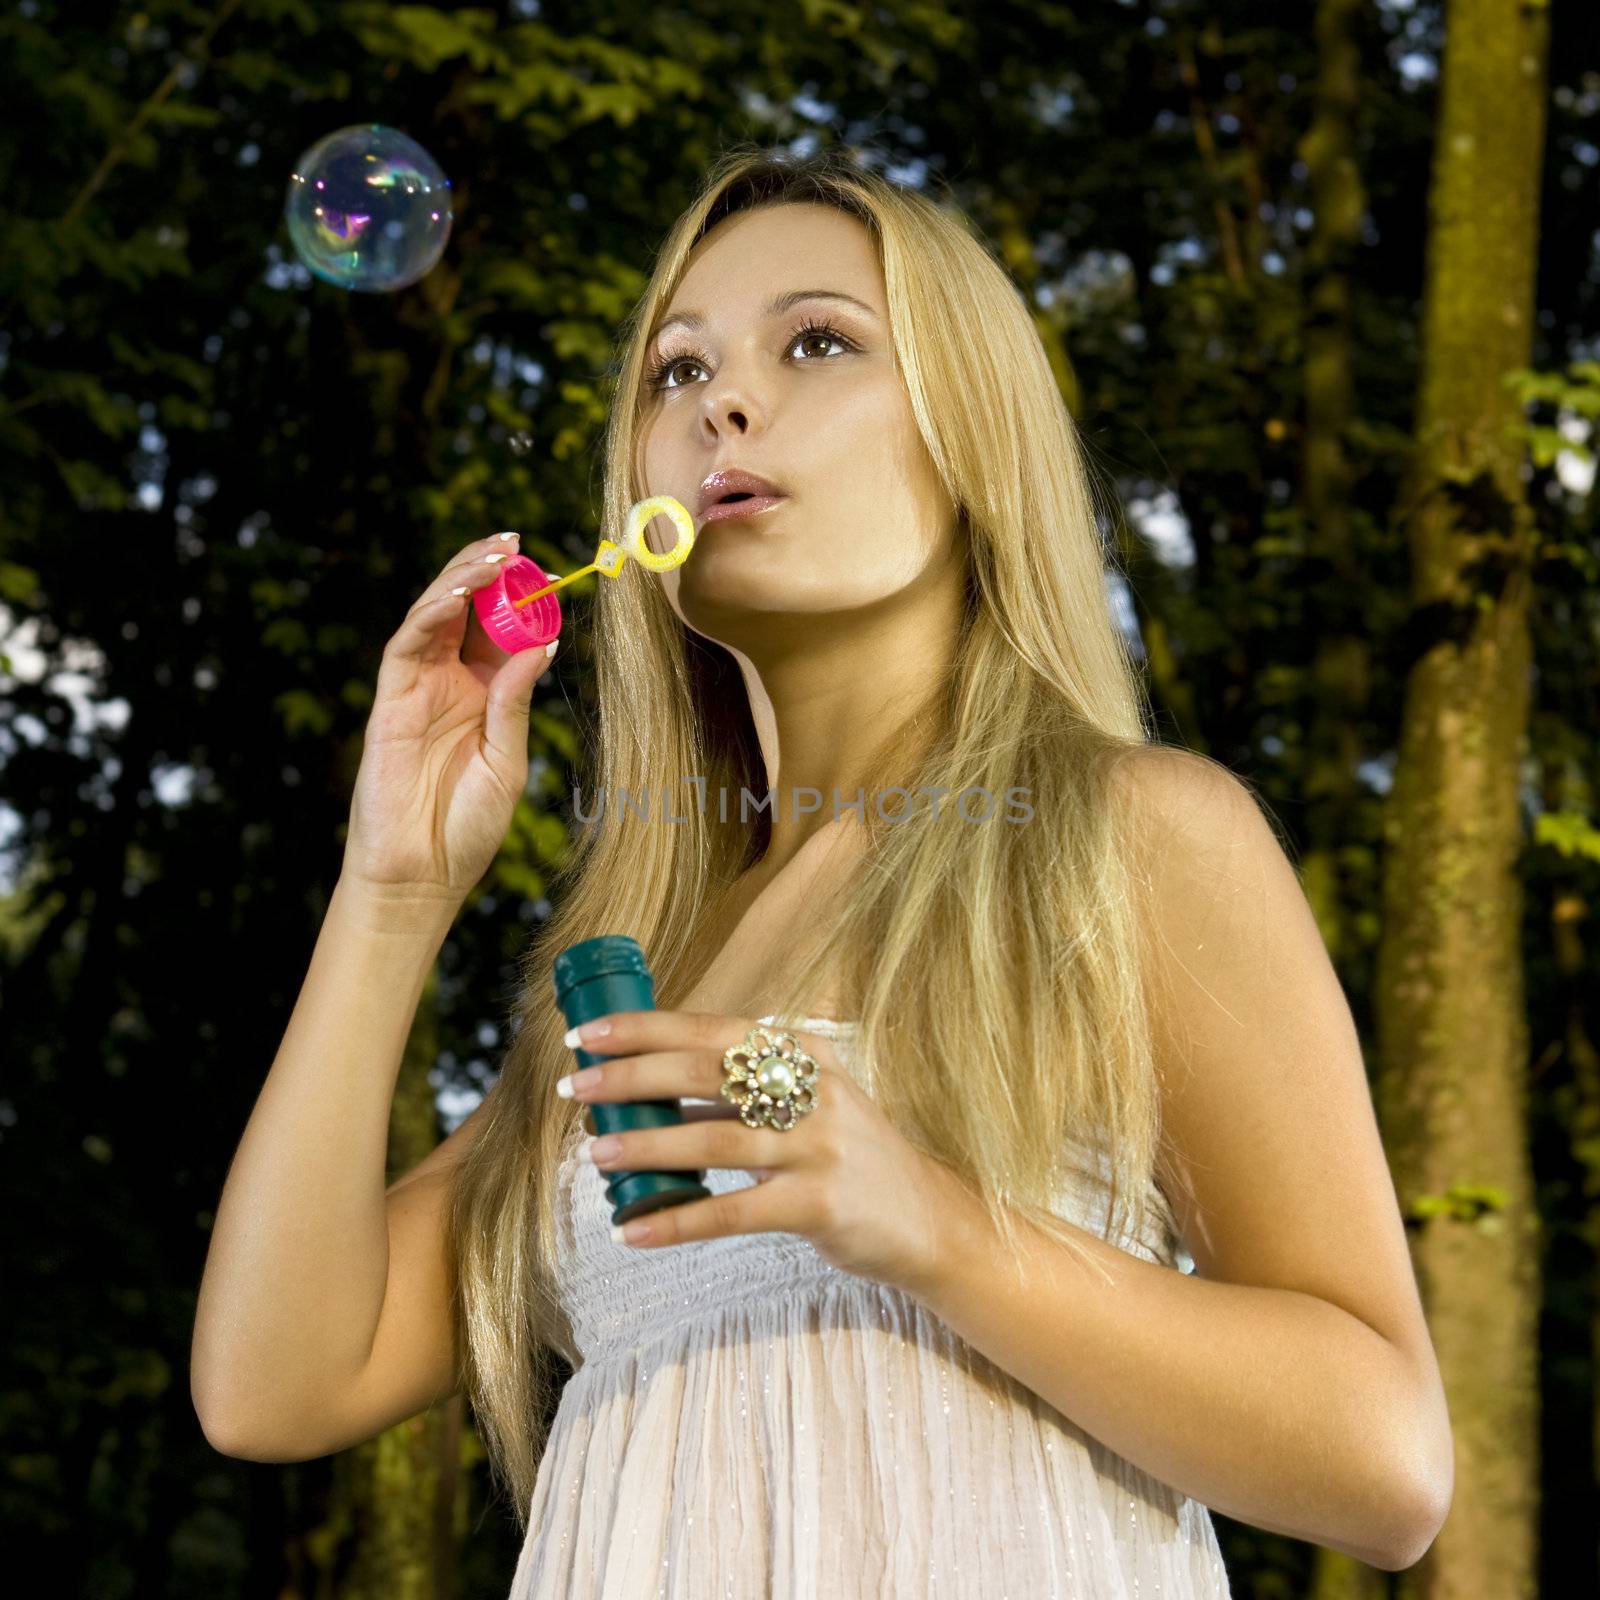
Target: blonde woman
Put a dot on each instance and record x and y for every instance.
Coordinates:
(1088, 1229)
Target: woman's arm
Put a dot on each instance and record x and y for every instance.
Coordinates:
(1291, 1384)
(298, 1270)
(1270, 1405)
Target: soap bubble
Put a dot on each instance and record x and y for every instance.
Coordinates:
(368, 208)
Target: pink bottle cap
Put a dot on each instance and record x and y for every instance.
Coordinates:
(514, 627)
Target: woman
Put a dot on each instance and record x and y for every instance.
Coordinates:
(1090, 1227)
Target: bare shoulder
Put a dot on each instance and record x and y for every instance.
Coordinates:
(1179, 794)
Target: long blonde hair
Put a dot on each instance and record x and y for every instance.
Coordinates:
(994, 969)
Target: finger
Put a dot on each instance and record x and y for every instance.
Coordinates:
(697, 1146)
(757, 1209)
(707, 1111)
(479, 562)
(661, 1075)
(636, 1032)
(475, 549)
(476, 569)
(439, 607)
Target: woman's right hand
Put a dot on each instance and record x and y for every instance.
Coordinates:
(446, 753)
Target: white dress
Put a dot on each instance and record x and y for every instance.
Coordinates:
(749, 1422)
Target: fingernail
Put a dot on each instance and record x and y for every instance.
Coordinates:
(510, 535)
(550, 649)
(463, 589)
(501, 556)
(635, 1232)
(594, 1151)
(566, 1087)
(584, 1031)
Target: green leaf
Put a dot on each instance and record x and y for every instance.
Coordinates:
(1569, 833)
(302, 712)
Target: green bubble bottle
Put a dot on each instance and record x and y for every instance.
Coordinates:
(594, 978)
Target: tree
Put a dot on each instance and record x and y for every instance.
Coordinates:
(1450, 998)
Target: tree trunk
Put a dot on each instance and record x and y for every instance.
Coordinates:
(1449, 994)
(1340, 670)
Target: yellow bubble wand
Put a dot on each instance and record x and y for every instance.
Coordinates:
(608, 559)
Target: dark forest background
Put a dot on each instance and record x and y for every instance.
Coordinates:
(1319, 343)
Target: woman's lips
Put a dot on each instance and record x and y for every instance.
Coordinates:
(727, 510)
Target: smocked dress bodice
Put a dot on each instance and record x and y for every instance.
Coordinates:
(749, 1422)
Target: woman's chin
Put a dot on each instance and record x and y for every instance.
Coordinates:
(741, 608)
(725, 573)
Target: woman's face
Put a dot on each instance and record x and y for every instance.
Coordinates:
(822, 415)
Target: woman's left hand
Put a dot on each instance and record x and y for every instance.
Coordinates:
(843, 1176)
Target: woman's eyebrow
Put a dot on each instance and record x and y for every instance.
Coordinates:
(775, 307)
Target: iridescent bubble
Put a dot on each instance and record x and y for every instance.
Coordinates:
(368, 208)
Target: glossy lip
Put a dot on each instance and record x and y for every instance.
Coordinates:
(734, 480)
(742, 508)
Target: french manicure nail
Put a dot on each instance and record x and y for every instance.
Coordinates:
(462, 590)
(510, 535)
(501, 556)
(550, 649)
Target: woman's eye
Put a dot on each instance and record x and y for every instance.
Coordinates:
(667, 368)
(817, 333)
(670, 364)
